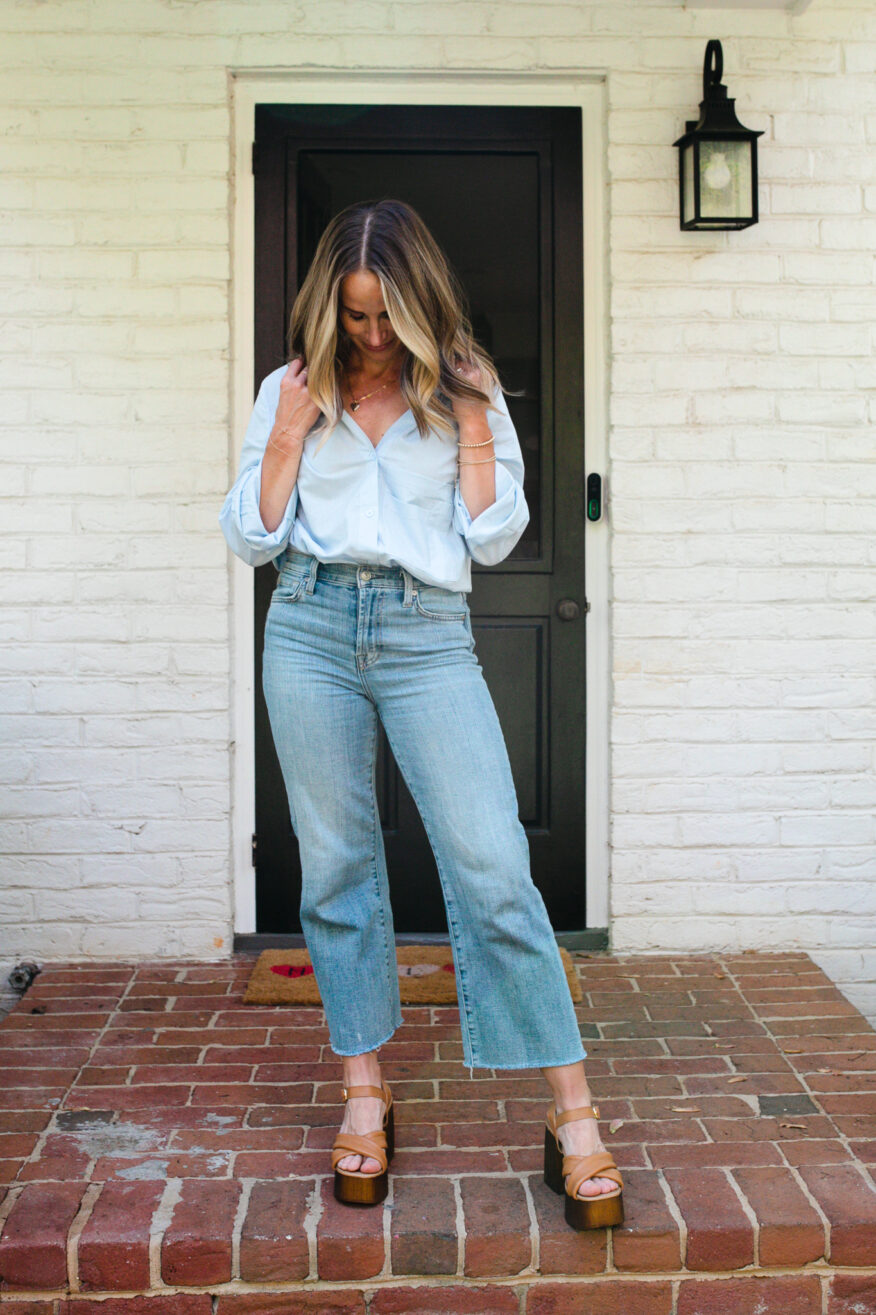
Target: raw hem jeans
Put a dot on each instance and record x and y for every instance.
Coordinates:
(346, 644)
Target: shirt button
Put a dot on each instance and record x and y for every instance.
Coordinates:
(369, 514)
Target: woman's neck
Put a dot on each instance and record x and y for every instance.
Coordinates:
(365, 371)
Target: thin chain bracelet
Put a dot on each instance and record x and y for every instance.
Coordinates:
(282, 449)
(482, 462)
(484, 444)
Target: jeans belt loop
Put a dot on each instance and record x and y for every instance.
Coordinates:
(409, 587)
(312, 570)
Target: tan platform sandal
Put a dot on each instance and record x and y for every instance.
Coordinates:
(352, 1186)
(603, 1211)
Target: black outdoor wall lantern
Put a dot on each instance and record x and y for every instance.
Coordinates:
(717, 158)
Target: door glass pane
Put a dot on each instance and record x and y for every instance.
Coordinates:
(482, 207)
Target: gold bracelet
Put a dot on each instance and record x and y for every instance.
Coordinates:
(282, 449)
(484, 444)
(482, 462)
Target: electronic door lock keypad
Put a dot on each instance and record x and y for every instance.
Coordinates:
(594, 497)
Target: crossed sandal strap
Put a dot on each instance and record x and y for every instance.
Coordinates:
(580, 1168)
(372, 1145)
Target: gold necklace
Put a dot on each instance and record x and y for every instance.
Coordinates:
(354, 406)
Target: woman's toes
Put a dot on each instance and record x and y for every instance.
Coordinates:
(356, 1164)
(596, 1186)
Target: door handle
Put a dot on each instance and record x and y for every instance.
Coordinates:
(568, 609)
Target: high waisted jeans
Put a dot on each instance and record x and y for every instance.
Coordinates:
(344, 646)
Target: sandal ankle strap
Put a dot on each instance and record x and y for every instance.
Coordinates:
(380, 1092)
(580, 1112)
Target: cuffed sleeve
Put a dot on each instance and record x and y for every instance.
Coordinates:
(491, 535)
(240, 518)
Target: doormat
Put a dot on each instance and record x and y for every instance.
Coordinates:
(425, 976)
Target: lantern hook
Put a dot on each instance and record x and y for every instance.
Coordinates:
(713, 67)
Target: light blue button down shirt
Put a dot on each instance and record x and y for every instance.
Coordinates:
(396, 504)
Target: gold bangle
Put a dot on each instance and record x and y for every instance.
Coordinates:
(484, 444)
(483, 461)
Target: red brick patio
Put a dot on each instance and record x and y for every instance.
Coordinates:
(168, 1145)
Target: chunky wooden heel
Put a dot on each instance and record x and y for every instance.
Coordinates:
(354, 1187)
(566, 1173)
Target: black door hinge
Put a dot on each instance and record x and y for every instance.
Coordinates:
(255, 848)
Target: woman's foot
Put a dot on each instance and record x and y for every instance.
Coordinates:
(579, 1136)
(362, 1113)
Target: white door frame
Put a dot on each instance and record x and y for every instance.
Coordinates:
(249, 87)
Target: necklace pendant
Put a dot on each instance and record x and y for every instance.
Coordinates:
(354, 406)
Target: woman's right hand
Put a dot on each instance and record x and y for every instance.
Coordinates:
(296, 410)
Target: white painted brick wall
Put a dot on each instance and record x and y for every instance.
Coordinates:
(741, 488)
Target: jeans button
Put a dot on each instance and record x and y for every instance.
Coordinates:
(366, 575)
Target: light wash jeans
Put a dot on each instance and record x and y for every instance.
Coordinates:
(345, 645)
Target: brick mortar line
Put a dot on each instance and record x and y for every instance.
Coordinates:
(412, 1282)
(312, 1216)
(534, 1234)
(238, 1222)
(386, 1228)
(749, 1211)
(80, 1219)
(825, 1222)
(158, 1226)
(460, 1227)
(675, 1210)
(13, 1192)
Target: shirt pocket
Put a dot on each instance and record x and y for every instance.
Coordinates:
(421, 493)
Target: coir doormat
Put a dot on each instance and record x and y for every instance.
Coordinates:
(425, 976)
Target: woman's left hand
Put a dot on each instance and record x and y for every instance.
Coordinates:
(463, 408)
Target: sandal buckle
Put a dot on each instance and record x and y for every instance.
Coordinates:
(344, 1092)
(596, 1110)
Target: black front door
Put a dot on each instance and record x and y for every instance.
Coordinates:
(500, 189)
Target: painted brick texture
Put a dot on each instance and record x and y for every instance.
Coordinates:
(741, 484)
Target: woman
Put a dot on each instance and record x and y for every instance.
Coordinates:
(372, 517)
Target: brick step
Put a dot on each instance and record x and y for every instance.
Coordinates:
(137, 1236)
(159, 1138)
(826, 1293)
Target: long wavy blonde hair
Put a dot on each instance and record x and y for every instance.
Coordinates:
(425, 303)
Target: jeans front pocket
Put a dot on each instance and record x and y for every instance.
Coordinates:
(440, 604)
(288, 588)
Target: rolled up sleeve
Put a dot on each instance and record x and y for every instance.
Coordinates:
(240, 518)
(491, 535)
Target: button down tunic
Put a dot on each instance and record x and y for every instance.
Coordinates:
(396, 503)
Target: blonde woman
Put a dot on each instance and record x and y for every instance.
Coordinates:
(375, 466)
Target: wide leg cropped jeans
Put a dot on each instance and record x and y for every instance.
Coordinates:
(347, 646)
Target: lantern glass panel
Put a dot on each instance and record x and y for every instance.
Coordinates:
(725, 180)
(687, 159)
